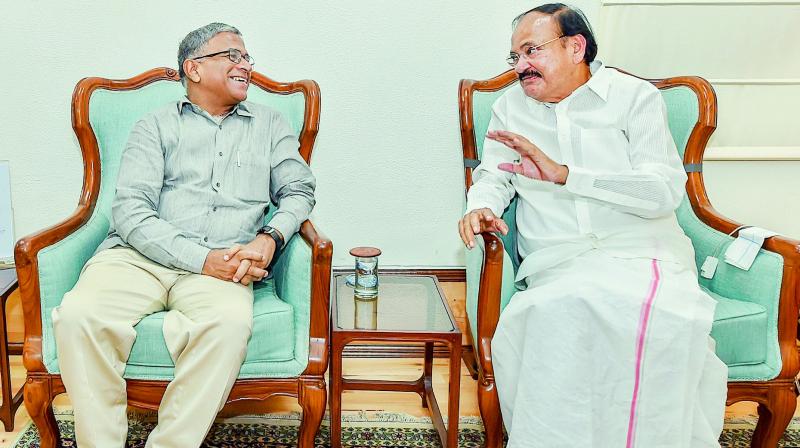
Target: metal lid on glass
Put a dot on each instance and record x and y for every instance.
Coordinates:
(365, 252)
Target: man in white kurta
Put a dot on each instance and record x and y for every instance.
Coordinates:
(608, 345)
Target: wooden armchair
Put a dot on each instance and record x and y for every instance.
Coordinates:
(49, 262)
(755, 323)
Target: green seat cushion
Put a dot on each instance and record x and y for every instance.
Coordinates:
(743, 328)
(273, 337)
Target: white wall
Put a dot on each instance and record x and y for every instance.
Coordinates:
(388, 155)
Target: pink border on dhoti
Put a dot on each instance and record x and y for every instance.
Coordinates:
(644, 317)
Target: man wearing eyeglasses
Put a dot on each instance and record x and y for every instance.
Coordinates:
(187, 235)
(607, 342)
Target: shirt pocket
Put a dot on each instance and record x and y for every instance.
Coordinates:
(605, 150)
(252, 172)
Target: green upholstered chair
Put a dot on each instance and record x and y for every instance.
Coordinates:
(287, 353)
(755, 322)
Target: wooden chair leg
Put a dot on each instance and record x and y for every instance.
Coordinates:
(313, 395)
(39, 403)
(774, 417)
(489, 405)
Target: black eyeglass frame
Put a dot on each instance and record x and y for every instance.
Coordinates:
(233, 54)
(514, 58)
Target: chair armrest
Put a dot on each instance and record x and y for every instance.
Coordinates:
(48, 264)
(484, 286)
(787, 248)
(778, 260)
(303, 279)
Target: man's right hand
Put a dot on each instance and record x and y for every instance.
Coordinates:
(223, 263)
(479, 221)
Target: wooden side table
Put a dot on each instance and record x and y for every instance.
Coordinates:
(409, 308)
(8, 283)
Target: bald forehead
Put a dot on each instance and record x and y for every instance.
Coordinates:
(535, 23)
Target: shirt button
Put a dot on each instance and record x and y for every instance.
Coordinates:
(205, 239)
(218, 184)
(220, 153)
(220, 126)
(214, 209)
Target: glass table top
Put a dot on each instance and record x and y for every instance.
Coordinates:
(404, 303)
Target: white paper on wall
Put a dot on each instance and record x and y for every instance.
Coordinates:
(6, 218)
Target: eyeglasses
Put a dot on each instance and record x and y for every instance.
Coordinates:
(233, 54)
(530, 52)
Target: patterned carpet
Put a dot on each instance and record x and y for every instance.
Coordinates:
(362, 430)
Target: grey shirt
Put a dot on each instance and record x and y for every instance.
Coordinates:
(190, 182)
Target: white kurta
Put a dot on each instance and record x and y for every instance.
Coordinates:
(608, 346)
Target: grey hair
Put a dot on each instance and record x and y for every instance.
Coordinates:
(194, 42)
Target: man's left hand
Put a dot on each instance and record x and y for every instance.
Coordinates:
(533, 162)
(252, 270)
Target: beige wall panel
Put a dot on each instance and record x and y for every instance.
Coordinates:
(757, 193)
(729, 41)
(757, 115)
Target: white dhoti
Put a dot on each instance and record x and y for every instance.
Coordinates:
(603, 352)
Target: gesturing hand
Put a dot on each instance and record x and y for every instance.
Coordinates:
(533, 162)
(478, 221)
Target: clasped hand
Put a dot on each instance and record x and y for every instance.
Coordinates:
(241, 263)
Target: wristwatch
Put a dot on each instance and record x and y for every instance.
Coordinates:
(272, 233)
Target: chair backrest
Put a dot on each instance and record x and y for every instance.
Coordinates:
(692, 114)
(104, 112)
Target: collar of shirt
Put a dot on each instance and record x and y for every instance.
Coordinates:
(598, 83)
(241, 109)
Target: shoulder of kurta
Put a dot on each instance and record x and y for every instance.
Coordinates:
(629, 88)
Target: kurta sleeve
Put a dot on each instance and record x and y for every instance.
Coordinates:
(491, 188)
(291, 183)
(655, 184)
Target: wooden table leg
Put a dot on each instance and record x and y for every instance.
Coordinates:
(454, 394)
(427, 372)
(335, 380)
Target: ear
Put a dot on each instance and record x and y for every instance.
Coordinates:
(190, 68)
(577, 48)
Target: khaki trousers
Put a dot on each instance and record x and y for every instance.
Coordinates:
(206, 330)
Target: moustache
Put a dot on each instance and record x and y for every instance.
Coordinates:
(529, 73)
